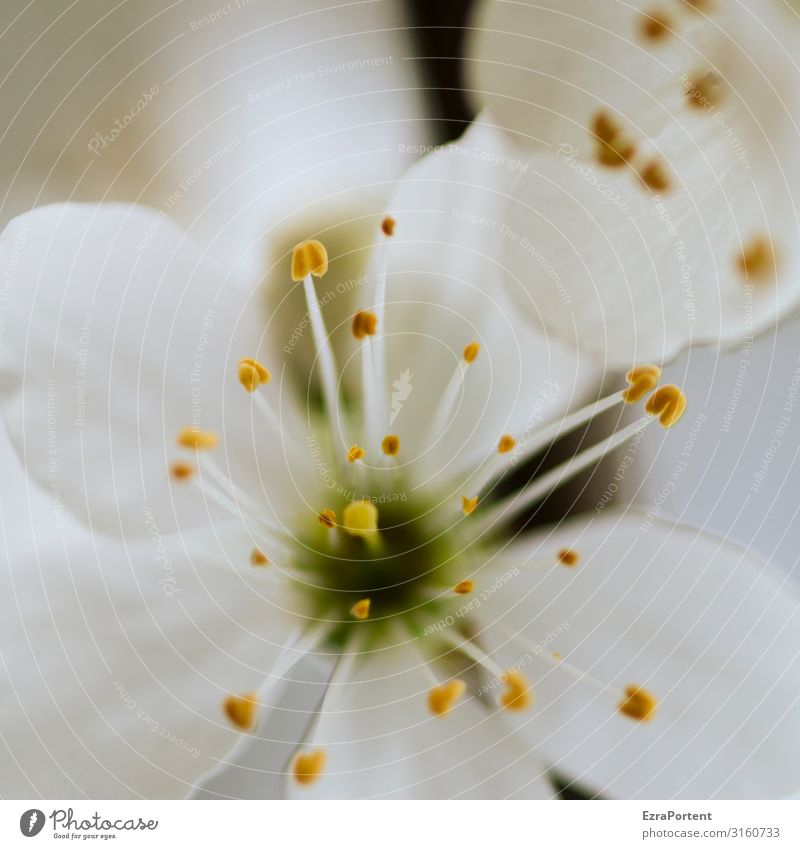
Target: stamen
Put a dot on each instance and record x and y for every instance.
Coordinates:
(258, 558)
(360, 610)
(387, 226)
(242, 710)
(443, 698)
(327, 518)
(668, 403)
(365, 323)
(312, 258)
(181, 471)
(471, 352)
(200, 440)
(252, 374)
(309, 258)
(514, 504)
(518, 694)
(468, 505)
(638, 704)
(309, 767)
(568, 557)
(757, 259)
(379, 401)
(251, 507)
(297, 647)
(390, 445)
(464, 587)
(641, 381)
(450, 395)
(507, 444)
(355, 453)
(361, 519)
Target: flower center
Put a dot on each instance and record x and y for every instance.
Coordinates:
(401, 561)
(388, 561)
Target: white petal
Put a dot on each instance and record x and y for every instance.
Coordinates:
(647, 273)
(117, 332)
(115, 667)
(709, 629)
(382, 742)
(445, 289)
(225, 117)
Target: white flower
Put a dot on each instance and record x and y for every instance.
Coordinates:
(660, 172)
(394, 582)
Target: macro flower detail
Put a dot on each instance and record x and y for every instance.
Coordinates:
(328, 474)
(381, 573)
(392, 569)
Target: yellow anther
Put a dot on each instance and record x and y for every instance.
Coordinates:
(181, 471)
(241, 710)
(327, 518)
(703, 90)
(468, 504)
(308, 767)
(442, 699)
(757, 259)
(309, 258)
(641, 380)
(507, 443)
(568, 557)
(365, 323)
(201, 440)
(390, 445)
(656, 176)
(656, 25)
(360, 610)
(387, 226)
(518, 694)
(638, 704)
(355, 453)
(464, 587)
(668, 403)
(471, 352)
(361, 519)
(258, 558)
(252, 374)
(557, 655)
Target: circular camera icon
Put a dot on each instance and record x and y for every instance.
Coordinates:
(31, 822)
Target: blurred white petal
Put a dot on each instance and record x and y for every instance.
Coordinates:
(647, 270)
(118, 332)
(708, 628)
(382, 742)
(116, 662)
(228, 116)
(446, 288)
